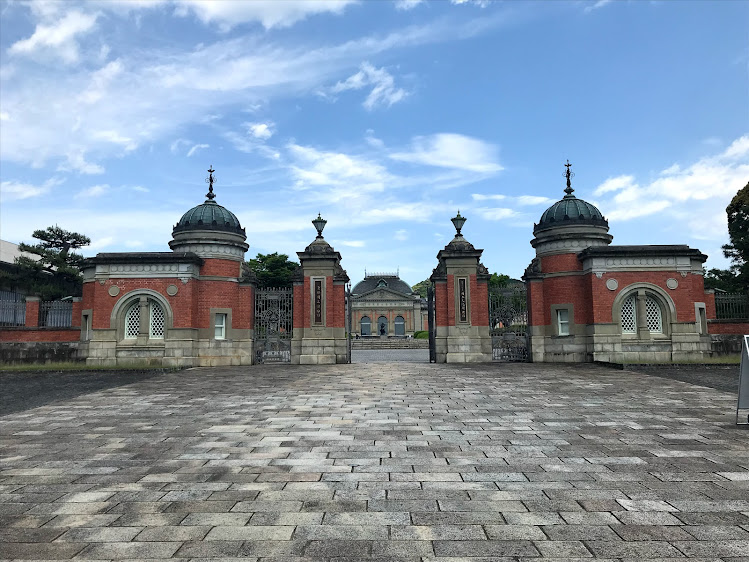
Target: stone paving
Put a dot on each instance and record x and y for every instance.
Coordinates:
(390, 355)
(399, 462)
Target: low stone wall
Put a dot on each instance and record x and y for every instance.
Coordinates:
(726, 337)
(38, 352)
(388, 343)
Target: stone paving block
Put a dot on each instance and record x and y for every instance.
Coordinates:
(119, 550)
(341, 532)
(44, 551)
(437, 532)
(634, 549)
(485, 548)
(173, 533)
(562, 549)
(250, 533)
(100, 534)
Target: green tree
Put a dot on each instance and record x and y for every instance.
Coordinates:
(56, 272)
(736, 278)
(273, 270)
(498, 280)
(421, 288)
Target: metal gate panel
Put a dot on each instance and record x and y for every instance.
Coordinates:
(432, 329)
(508, 316)
(274, 315)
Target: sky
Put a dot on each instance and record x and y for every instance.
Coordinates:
(385, 117)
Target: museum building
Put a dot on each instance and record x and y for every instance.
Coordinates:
(385, 305)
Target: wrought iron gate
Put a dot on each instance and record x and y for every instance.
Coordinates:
(349, 313)
(273, 325)
(508, 317)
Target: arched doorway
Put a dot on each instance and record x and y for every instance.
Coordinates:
(400, 326)
(382, 326)
(366, 326)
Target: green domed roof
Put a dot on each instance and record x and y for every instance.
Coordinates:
(570, 211)
(209, 216)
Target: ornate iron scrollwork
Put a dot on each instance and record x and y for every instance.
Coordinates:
(508, 317)
(274, 315)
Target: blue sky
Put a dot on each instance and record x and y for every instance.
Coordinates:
(386, 117)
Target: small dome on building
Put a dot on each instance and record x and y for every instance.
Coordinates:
(373, 281)
(570, 211)
(209, 215)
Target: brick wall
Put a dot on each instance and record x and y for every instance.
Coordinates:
(479, 302)
(721, 327)
(441, 304)
(33, 334)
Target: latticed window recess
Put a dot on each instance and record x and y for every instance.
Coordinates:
(157, 321)
(132, 321)
(653, 314)
(629, 320)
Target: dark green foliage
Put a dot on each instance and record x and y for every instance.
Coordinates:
(498, 280)
(273, 270)
(421, 335)
(736, 278)
(57, 272)
(421, 288)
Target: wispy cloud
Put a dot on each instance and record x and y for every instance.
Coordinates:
(15, 190)
(711, 180)
(56, 39)
(383, 92)
(450, 150)
(197, 147)
(595, 5)
(93, 191)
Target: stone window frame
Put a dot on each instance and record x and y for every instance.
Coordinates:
(456, 289)
(571, 326)
(121, 307)
(661, 298)
(86, 324)
(395, 325)
(700, 318)
(361, 325)
(214, 312)
(324, 301)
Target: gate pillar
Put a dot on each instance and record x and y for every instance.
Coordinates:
(461, 302)
(319, 305)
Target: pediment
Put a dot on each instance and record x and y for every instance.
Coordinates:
(384, 294)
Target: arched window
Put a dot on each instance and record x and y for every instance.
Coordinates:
(366, 326)
(132, 321)
(653, 314)
(400, 326)
(382, 326)
(156, 320)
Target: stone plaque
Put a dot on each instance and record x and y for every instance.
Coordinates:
(114, 290)
(612, 284)
(318, 301)
(672, 283)
(462, 300)
(172, 290)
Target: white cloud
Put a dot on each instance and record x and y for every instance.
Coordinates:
(14, 190)
(492, 197)
(262, 131)
(4, 116)
(401, 235)
(56, 39)
(93, 191)
(76, 161)
(195, 148)
(406, 5)
(596, 5)
(141, 189)
(712, 181)
(177, 144)
(353, 243)
(496, 213)
(533, 200)
(270, 13)
(383, 93)
(450, 150)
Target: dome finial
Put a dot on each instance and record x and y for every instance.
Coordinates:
(569, 174)
(209, 180)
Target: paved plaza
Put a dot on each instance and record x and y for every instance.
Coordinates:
(389, 461)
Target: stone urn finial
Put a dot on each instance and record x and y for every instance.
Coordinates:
(319, 224)
(458, 223)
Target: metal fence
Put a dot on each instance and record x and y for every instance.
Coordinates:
(56, 314)
(732, 306)
(12, 309)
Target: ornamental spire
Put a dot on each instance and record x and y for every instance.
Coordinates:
(569, 174)
(209, 180)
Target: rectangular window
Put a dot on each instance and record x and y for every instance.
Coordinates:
(220, 327)
(86, 333)
(563, 322)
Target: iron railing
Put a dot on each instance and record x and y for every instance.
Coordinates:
(12, 309)
(55, 314)
(731, 306)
